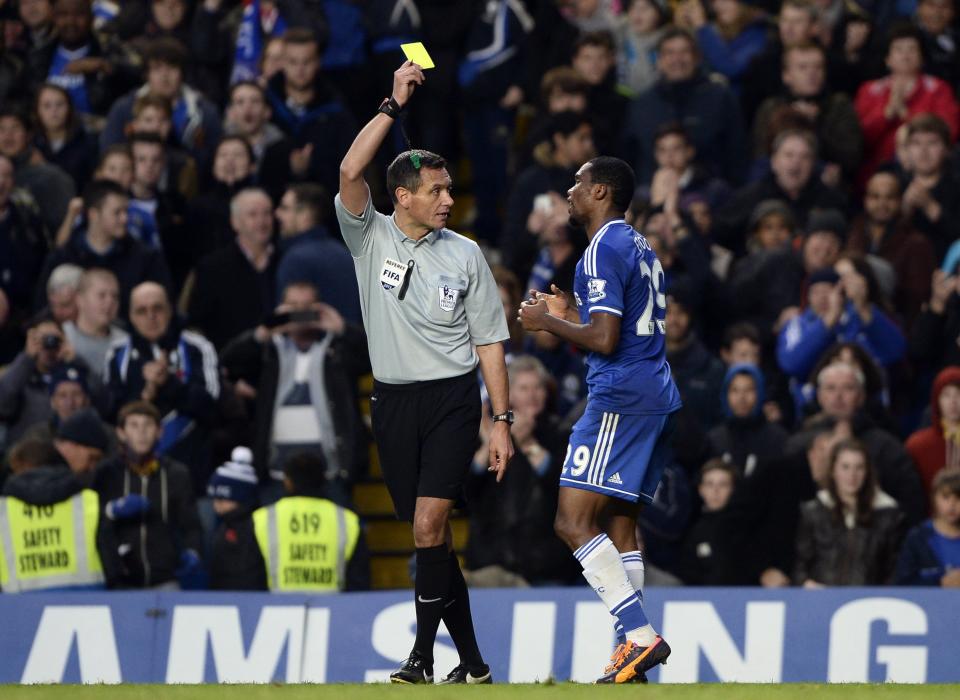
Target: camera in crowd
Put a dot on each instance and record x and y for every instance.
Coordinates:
(52, 342)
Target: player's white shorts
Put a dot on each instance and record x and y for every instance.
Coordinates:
(618, 455)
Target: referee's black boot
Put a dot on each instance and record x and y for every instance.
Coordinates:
(414, 670)
(471, 675)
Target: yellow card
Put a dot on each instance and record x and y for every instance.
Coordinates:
(417, 53)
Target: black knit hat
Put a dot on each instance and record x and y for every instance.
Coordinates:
(829, 220)
(84, 428)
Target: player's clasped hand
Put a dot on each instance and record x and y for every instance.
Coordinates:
(532, 312)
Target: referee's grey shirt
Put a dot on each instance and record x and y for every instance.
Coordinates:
(451, 303)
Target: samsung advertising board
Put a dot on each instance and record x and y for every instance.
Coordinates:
(744, 635)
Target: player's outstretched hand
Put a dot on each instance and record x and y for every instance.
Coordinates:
(405, 80)
(501, 449)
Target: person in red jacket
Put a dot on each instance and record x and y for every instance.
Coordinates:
(938, 446)
(884, 105)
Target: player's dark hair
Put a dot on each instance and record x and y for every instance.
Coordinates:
(404, 171)
(618, 176)
(97, 192)
(307, 472)
(744, 330)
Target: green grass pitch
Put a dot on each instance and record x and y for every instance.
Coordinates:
(563, 691)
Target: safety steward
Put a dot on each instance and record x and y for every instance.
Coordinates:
(50, 535)
(308, 543)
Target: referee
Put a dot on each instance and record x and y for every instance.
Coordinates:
(432, 312)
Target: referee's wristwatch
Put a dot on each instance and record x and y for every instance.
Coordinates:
(505, 417)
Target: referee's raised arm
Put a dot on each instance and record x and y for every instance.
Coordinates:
(353, 188)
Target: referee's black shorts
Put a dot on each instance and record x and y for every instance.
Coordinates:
(426, 435)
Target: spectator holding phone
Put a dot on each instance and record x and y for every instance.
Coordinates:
(844, 303)
(25, 384)
(298, 372)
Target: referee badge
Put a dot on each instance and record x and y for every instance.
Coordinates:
(391, 275)
(448, 297)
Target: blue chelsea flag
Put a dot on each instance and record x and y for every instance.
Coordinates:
(246, 60)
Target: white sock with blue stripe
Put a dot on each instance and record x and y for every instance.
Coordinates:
(604, 571)
(633, 565)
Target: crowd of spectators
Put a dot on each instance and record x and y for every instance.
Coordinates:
(169, 265)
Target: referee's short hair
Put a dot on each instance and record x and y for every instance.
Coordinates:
(404, 171)
(616, 175)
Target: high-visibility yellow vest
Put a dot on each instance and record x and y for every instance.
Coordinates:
(306, 543)
(52, 546)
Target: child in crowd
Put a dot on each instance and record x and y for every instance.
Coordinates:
(235, 564)
(702, 560)
(931, 552)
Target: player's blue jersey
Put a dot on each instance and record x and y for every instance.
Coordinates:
(620, 274)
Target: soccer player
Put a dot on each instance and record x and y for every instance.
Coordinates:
(619, 448)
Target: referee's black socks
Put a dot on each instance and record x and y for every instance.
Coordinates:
(431, 588)
(456, 615)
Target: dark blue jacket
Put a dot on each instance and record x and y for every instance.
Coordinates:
(805, 337)
(710, 113)
(918, 564)
(731, 58)
(314, 256)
